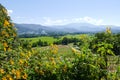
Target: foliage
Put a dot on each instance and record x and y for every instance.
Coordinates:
(108, 38)
(7, 31)
(66, 41)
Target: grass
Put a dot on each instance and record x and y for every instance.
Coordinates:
(72, 36)
(63, 50)
(50, 40)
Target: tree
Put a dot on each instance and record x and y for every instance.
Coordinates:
(7, 31)
(65, 41)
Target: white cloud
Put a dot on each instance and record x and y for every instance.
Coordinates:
(92, 20)
(10, 11)
(49, 21)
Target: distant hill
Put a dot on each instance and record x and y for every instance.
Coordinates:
(69, 28)
(33, 29)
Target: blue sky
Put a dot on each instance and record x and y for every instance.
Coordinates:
(60, 12)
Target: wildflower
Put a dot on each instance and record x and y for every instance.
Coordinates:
(21, 61)
(22, 54)
(9, 49)
(4, 78)
(26, 64)
(52, 59)
(73, 50)
(54, 49)
(3, 32)
(27, 57)
(13, 71)
(53, 63)
(5, 44)
(9, 77)
(5, 49)
(29, 54)
(108, 30)
(2, 71)
(11, 62)
(24, 76)
(18, 74)
(14, 34)
(6, 23)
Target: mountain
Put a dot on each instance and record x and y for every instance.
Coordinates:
(69, 28)
(33, 29)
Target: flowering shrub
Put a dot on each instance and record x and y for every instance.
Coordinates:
(7, 31)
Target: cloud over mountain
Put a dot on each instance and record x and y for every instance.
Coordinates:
(86, 19)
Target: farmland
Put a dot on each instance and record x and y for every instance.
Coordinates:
(51, 39)
(48, 39)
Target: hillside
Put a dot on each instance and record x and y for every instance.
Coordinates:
(69, 28)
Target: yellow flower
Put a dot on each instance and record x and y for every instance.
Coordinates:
(29, 54)
(14, 34)
(6, 23)
(25, 63)
(73, 50)
(54, 49)
(4, 78)
(21, 61)
(108, 30)
(27, 57)
(24, 76)
(9, 77)
(11, 62)
(53, 63)
(52, 59)
(13, 71)
(18, 74)
(5, 49)
(5, 44)
(3, 32)
(2, 71)
(7, 35)
(9, 49)
(22, 54)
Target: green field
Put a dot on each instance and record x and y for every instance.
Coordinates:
(72, 36)
(48, 39)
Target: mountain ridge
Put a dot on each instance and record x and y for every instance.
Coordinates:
(69, 28)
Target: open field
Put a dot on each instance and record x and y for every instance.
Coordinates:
(47, 39)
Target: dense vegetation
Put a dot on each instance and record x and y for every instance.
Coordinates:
(19, 61)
